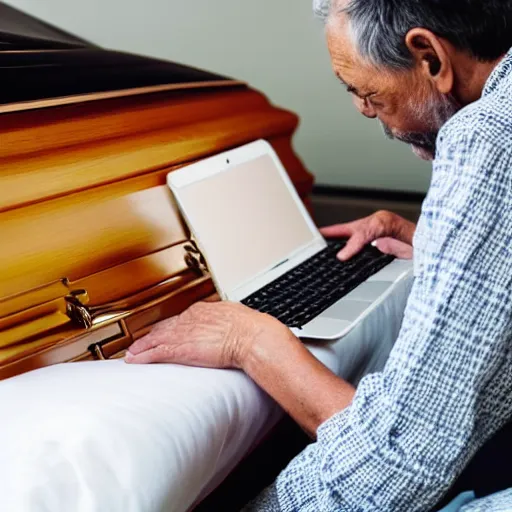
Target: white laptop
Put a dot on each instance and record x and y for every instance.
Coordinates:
(263, 249)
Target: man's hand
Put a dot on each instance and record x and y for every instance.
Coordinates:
(228, 335)
(389, 232)
(215, 335)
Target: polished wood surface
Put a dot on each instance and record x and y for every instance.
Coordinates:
(42, 65)
(84, 206)
(93, 250)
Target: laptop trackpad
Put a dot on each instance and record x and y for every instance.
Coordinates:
(369, 291)
(346, 309)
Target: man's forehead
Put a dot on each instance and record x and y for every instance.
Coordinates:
(345, 61)
(341, 46)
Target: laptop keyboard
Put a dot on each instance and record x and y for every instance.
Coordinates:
(307, 290)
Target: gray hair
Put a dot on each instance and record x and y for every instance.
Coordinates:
(482, 28)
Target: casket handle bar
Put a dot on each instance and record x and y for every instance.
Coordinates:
(84, 316)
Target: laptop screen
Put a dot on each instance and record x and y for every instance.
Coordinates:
(246, 220)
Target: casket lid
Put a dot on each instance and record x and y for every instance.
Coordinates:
(45, 66)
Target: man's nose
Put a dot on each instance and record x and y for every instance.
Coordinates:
(364, 106)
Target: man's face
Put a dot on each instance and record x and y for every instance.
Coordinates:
(409, 108)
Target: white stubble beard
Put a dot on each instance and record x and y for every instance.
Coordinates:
(437, 111)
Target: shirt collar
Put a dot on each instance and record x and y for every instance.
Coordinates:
(498, 74)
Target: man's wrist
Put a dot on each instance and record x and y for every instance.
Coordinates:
(264, 347)
(280, 364)
(401, 228)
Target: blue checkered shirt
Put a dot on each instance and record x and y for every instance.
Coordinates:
(447, 386)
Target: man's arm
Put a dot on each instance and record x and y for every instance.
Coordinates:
(301, 384)
(231, 335)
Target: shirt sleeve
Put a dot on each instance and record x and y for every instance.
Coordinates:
(447, 386)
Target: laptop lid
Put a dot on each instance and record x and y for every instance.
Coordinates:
(246, 217)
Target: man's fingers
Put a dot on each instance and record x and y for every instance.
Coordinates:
(158, 335)
(154, 355)
(354, 245)
(145, 343)
(395, 247)
(337, 231)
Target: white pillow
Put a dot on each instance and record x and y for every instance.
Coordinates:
(107, 436)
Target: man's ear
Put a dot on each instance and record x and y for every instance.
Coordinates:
(432, 57)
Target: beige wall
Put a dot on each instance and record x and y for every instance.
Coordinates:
(278, 47)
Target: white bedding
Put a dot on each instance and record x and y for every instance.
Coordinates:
(106, 436)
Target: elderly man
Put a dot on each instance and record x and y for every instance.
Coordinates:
(438, 75)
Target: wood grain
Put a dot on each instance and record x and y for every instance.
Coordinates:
(83, 197)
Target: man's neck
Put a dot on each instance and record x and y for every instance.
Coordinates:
(471, 78)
